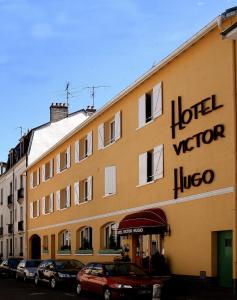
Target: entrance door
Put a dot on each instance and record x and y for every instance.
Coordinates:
(137, 249)
(52, 246)
(35, 247)
(225, 258)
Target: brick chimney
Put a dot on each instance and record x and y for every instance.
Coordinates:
(90, 110)
(58, 111)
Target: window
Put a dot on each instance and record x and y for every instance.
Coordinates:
(47, 204)
(63, 198)
(111, 240)
(83, 190)
(85, 236)
(21, 245)
(45, 243)
(1, 197)
(1, 249)
(83, 147)
(150, 105)
(65, 240)
(110, 180)
(1, 225)
(47, 170)
(35, 178)
(110, 131)
(21, 181)
(151, 165)
(10, 253)
(21, 213)
(63, 160)
(35, 209)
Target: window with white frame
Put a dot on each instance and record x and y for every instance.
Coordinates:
(47, 170)
(35, 178)
(110, 180)
(47, 204)
(65, 240)
(85, 236)
(151, 165)
(150, 105)
(110, 131)
(83, 190)
(83, 147)
(63, 160)
(111, 240)
(35, 209)
(63, 198)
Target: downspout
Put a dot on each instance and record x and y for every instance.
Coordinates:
(26, 211)
(13, 210)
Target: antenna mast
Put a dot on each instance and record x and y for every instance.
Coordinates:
(21, 129)
(92, 91)
(67, 92)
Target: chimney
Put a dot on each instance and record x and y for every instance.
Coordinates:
(58, 111)
(90, 110)
(3, 167)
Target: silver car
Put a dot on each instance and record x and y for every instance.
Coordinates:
(26, 269)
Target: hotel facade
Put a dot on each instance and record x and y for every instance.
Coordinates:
(154, 170)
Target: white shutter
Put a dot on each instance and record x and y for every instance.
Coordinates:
(113, 180)
(31, 180)
(68, 157)
(76, 193)
(43, 205)
(77, 151)
(142, 111)
(117, 125)
(43, 173)
(110, 180)
(51, 168)
(142, 168)
(101, 136)
(38, 208)
(58, 200)
(51, 202)
(158, 162)
(89, 143)
(38, 176)
(107, 181)
(89, 187)
(31, 210)
(58, 163)
(68, 200)
(157, 100)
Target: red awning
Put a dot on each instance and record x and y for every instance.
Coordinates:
(146, 221)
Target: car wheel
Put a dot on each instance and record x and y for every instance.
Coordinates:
(79, 289)
(107, 294)
(36, 280)
(52, 283)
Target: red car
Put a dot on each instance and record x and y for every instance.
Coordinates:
(116, 280)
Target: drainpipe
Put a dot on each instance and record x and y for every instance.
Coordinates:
(26, 211)
(13, 209)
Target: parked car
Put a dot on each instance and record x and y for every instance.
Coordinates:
(58, 271)
(116, 280)
(8, 267)
(26, 269)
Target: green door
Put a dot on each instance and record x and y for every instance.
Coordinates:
(225, 258)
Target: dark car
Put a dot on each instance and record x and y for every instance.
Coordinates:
(58, 271)
(26, 269)
(116, 280)
(8, 267)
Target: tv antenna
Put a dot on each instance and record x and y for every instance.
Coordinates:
(21, 129)
(92, 91)
(67, 92)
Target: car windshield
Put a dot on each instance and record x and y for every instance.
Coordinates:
(69, 264)
(32, 263)
(124, 270)
(13, 262)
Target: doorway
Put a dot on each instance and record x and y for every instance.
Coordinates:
(225, 258)
(35, 244)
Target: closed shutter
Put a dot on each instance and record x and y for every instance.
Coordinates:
(117, 125)
(157, 100)
(89, 143)
(31, 210)
(158, 162)
(101, 136)
(58, 200)
(110, 180)
(51, 168)
(43, 173)
(58, 163)
(38, 176)
(76, 193)
(51, 203)
(68, 157)
(38, 208)
(89, 187)
(31, 180)
(142, 111)
(43, 205)
(142, 168)
(77, 152)
(68, 201)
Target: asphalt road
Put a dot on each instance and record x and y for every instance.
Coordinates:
(11, 289)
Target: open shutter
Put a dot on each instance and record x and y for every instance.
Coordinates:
(89, 143)
(107, 181)
(58, 163)
(76, 193)
(38, 176)
(77, 151)
(101, 136)
(58, 200)
(117, 125)
(142, 168)
(38, 208)
(43, 173)
(51, 202)
(51, 168)
(113, 180)
(89, 187)
(68, 201)
(31, 180)
(158, 162)
(68, 157)
(142, 111)
(31, 210)
(157, 100)
(110, 180)
(43, 205)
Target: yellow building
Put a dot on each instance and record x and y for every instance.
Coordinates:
(152, 170)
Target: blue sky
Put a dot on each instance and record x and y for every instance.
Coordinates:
(45, 43)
